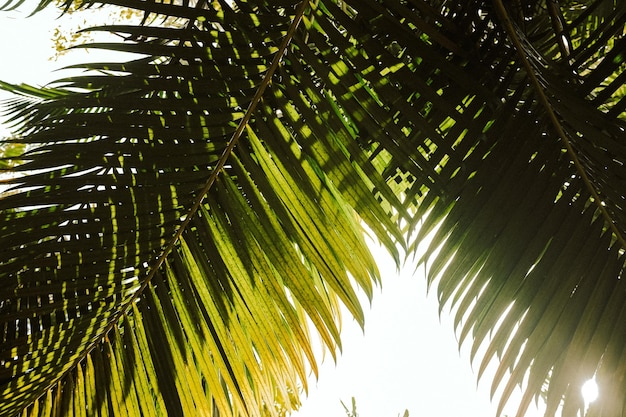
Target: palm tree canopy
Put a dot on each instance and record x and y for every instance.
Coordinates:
(179, 221)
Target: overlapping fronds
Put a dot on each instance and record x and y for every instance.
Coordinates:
(98, 313)
(498, 127)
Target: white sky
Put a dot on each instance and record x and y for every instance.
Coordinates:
(407, 358)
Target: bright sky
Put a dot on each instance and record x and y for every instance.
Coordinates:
(407, 358)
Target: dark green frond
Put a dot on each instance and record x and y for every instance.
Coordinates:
(497, 128)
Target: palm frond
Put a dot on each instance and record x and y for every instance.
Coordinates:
(115, 169)
(419, 117)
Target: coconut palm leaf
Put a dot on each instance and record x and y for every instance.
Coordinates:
(181, 217)
(129, 194)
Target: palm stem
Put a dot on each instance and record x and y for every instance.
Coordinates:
(543, 99)
(127, 305)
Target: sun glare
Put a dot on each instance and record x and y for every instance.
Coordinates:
(590, 391)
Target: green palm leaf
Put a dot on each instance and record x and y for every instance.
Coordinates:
(225, 316)
(153, 269)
